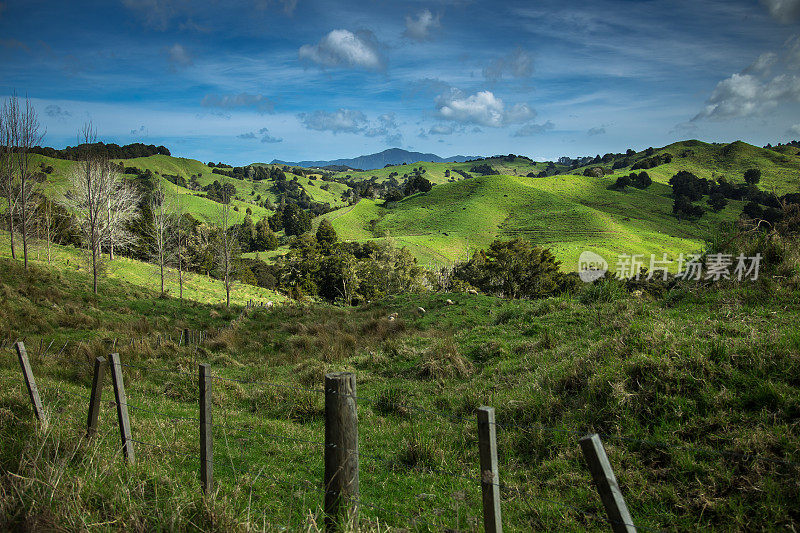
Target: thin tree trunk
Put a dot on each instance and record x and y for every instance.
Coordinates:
(94, 269)
(161, 260)
(11, 225)
(23, 208)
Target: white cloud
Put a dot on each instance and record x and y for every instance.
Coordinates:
(784, 11)
(353, 121)
(242, 100)
(482, 108)
(518, 64)
(794, 130)
(341, 121)
(755, 91)
(343, 48)
(743, 95)
(178, 57)
(529, 130)
(386, 123)
(419, 29)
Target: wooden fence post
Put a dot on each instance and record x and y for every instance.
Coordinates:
(122, 407)
(30, 382)
(97, 392)
(206, 431)
(341, 451)
(490, 477)
(606, 482)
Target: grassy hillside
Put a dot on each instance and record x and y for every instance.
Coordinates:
(435, 172)
(780, 172)
(566, 213)
(672, 382)
(195, 202)
(143, 276)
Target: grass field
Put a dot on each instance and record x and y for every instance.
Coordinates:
(670, 381)
(144, 276)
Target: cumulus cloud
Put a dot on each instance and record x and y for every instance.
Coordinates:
(756, 90)
(178, 57)
(343, 48)
(482, 108)
(259, 102)
(742, 95)
(419, 29)
(529, 130)
(517, 64)
(247, 136)
(55, 111)
(141, 132)
(794, 131)
(597, 130)
(784, 11)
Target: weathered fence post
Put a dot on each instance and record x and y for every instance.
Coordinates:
(122, 407)
(206, 431)
(490, 477)
(341, 451)
(606, 482)
(97, 392)
(186, 336)
(30, 382)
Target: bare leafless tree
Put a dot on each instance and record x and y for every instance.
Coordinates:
(101, 202)
(178, 238)
(227, 246)
(30, 135)
(9, 135)
(162, 230)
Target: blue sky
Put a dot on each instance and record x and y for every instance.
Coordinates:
(251, 80)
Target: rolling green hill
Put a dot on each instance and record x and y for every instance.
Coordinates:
(566, 213)
(249, 193)
(780, 171)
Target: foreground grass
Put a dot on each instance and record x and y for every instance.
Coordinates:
(669, 380)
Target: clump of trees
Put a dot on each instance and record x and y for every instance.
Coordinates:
(220, 192)
(515, 269)
(652, 162)
(102, 150)
(640, 180)
(483, 169)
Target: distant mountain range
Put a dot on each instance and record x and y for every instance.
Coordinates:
(392, 156)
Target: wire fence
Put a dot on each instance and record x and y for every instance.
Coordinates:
(244, 437)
